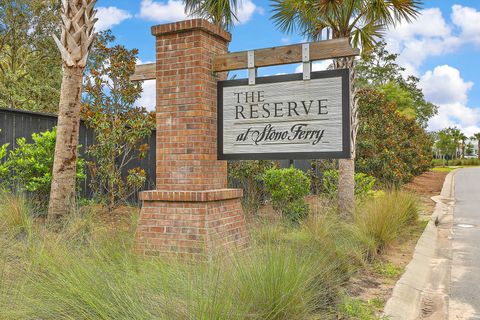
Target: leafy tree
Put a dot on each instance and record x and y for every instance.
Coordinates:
(447, 142)
(379, 69)
(391, 147)
(78, 20)
(394, 93)
(30, 73)
(120, 128)
(361, 21)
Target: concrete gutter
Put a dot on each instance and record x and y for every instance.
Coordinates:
(422, 291)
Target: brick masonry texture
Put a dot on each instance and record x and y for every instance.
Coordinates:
(192, 212)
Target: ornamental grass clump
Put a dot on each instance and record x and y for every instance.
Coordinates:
(278, 283)
(383, 219)
(15, 215)
(84, 269)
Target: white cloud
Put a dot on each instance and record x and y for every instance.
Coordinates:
(174, 10)
(285, 40)
(467, 19)
(316, 66)
(429, 35)
(109, 17)
(456, 115)
(444, 85)
(246, 9)
(158, 11)
(148, 98)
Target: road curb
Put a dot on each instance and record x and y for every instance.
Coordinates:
(422, 291)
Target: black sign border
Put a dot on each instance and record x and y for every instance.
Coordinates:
(344, 154)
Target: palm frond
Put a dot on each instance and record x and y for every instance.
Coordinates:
(364, 21)
(220, 12)
(367, 36)
(405, 9)
(295, 15)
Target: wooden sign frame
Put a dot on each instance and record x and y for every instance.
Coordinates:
(346, 127)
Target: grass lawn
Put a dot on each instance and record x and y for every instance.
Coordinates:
(445, 169)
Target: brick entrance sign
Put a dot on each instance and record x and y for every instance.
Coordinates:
(191, 212)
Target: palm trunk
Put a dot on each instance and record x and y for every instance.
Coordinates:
(62, 194)
(78, 20)
(346, 167)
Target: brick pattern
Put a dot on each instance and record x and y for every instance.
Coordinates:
(186, 107)
(207, 195)
(192, 230)
(192, 213)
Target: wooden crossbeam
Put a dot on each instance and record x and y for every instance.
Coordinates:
(144, 72)
(319, 50)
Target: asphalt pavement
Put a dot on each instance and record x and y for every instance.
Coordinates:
(464, 301)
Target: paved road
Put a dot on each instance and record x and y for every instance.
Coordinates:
(465, 273)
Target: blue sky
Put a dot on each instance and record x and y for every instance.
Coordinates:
(440, 48)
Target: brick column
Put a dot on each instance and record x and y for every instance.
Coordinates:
(191, 212)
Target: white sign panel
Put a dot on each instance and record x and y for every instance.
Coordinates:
(285, 117)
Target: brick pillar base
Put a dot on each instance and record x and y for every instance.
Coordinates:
(192, 212)
(191, 224)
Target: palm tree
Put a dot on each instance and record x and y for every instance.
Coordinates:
(456, 135)
(463, 139)
(363, 22)
(219, 12)
(476, 136)
(78, 20)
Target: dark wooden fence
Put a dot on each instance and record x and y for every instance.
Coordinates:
(16, 124)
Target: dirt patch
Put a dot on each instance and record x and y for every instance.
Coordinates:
(426, 186)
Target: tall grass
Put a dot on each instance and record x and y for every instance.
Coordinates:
(383, 219)
(15, 215)
(85, 270)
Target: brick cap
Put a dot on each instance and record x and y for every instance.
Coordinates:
(191, 196)
(188, 25)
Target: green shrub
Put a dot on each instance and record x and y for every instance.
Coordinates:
(249, 175)
(363, 184)
(3, 166)
(287, 188)
(30, 165)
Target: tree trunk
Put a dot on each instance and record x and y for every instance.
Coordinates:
(346, 167)
(62, 194)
